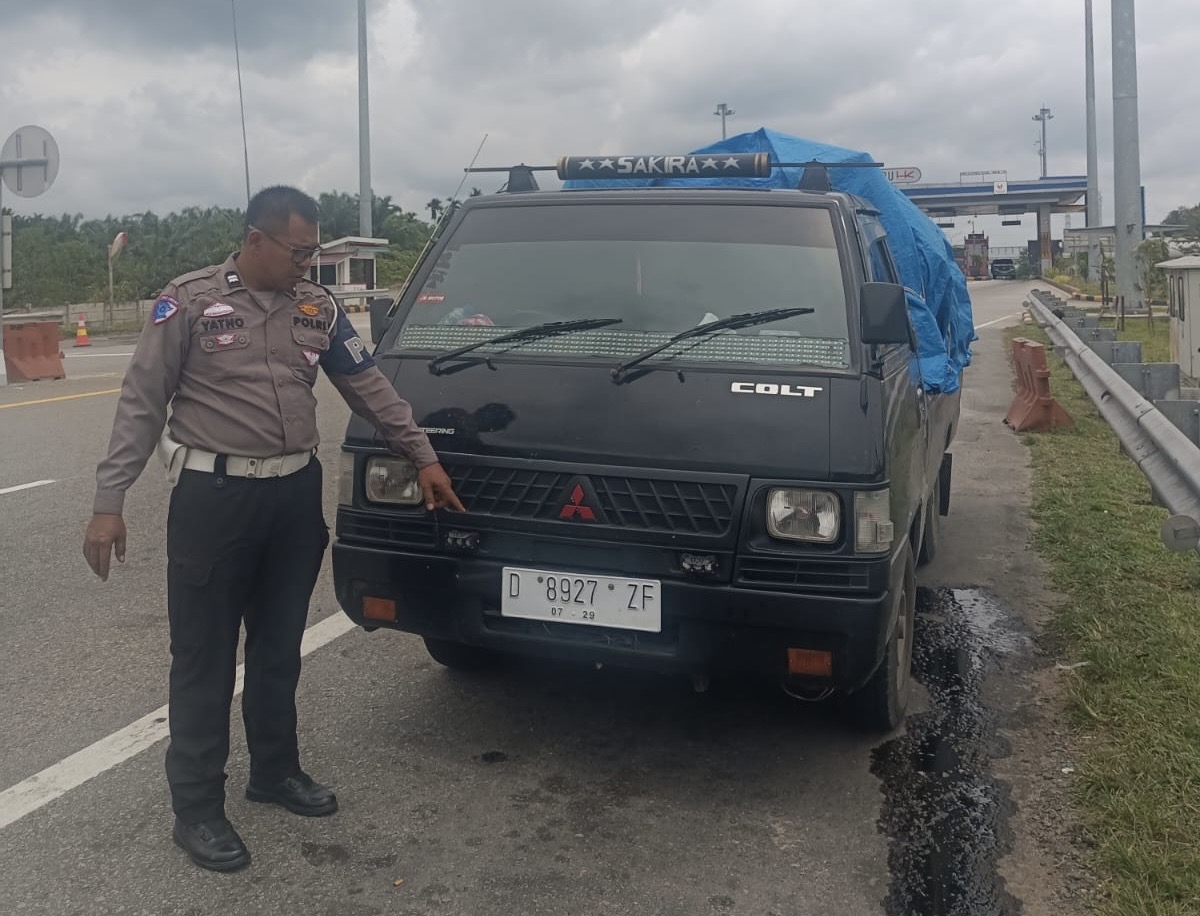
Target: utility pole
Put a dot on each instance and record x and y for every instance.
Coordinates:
(237, 53)
(723, 111)
(364, 129)
(1043, 116)
(1127, 169)
(1095, 257)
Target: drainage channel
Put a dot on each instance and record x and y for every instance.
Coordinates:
(946, 816)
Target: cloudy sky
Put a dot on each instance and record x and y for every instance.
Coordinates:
(142, 95)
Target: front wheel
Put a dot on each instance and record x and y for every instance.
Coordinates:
(459, 656)
(880, 704)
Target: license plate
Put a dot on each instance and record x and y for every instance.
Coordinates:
(598, 601)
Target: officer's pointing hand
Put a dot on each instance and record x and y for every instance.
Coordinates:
(105, 534)
(439, 492)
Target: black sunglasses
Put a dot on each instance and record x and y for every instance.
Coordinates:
(299, 255)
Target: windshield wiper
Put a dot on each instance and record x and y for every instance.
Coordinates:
(535, 332)
(744, 320)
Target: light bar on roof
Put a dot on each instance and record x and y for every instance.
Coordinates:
(705, 165)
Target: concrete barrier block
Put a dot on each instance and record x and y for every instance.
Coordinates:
(1153, 381)
(1184, 414)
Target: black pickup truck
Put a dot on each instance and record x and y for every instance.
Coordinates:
(688, 430)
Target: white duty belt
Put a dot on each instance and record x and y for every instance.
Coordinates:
(176, 457)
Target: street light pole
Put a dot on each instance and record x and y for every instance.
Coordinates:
(1043, 116)
(723, 111)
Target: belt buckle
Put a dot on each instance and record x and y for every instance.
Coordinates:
(270, 467)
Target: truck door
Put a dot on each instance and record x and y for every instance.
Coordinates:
(906, 403)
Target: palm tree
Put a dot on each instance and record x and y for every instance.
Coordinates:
(435, 208)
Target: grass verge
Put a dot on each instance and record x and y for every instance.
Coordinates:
(1132, 615)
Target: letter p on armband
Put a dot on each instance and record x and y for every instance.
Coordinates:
(355, 348)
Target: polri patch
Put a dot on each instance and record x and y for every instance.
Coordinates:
(217, 309)
(164, 308)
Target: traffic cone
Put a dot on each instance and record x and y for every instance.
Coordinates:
(81, 337)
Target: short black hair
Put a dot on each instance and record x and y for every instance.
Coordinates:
(271, 209)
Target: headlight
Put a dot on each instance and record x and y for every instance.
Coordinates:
(346, 479)
(393, 480)
(873, 529)
(803, 515)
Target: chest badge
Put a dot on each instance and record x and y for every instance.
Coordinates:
(309, 309)
(217, 309)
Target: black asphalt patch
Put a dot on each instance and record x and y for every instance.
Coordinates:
(945, 814)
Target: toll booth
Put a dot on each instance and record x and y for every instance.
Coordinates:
(1183, 285)
(347, 266)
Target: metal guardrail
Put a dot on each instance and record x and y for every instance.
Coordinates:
(1169, 460)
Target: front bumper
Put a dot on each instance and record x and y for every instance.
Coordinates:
(706, 627)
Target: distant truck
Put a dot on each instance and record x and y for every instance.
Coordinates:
(975, 256)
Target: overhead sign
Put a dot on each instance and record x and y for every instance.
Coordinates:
(29, 161)
(907, 174)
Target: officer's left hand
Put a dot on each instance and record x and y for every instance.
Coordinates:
(439, 492)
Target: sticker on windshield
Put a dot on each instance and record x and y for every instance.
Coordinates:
(431, 298)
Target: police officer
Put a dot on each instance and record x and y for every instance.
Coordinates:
(234, 350)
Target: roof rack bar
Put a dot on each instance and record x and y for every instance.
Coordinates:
(691, 165)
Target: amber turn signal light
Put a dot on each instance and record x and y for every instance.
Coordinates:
(379, 608)
(810, 662)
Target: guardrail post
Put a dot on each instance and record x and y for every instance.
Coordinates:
(1153, 381)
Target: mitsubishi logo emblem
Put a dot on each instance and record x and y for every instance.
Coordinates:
(577, 507)
(580, 502)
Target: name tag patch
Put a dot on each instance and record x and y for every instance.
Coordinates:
(164, 308)
(316, 324)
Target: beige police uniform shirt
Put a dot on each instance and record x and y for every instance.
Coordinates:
(237, 370)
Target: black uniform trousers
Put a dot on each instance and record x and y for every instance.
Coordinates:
(240, 550)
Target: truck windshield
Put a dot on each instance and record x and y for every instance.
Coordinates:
(661, 268)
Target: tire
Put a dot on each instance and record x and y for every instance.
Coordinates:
(880, 704)
(931, 531)
(459, 656)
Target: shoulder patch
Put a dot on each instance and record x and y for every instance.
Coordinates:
(164, 308)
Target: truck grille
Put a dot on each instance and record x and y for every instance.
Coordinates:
(819, 575)
(405, 532)
(629, 502)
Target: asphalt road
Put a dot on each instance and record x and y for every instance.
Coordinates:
(533, 789)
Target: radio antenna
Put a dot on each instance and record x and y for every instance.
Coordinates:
(437, 226)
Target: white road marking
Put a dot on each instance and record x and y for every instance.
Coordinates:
(26, 486)
(59, 778)
(988, 324)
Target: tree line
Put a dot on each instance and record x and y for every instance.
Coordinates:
(60, 260)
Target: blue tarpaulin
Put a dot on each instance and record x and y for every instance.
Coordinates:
(938, 302)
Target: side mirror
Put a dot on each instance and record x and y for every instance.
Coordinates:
(379, 318)
(883, 309)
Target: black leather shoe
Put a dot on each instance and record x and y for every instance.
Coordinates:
(212, 844)
(300, 794)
